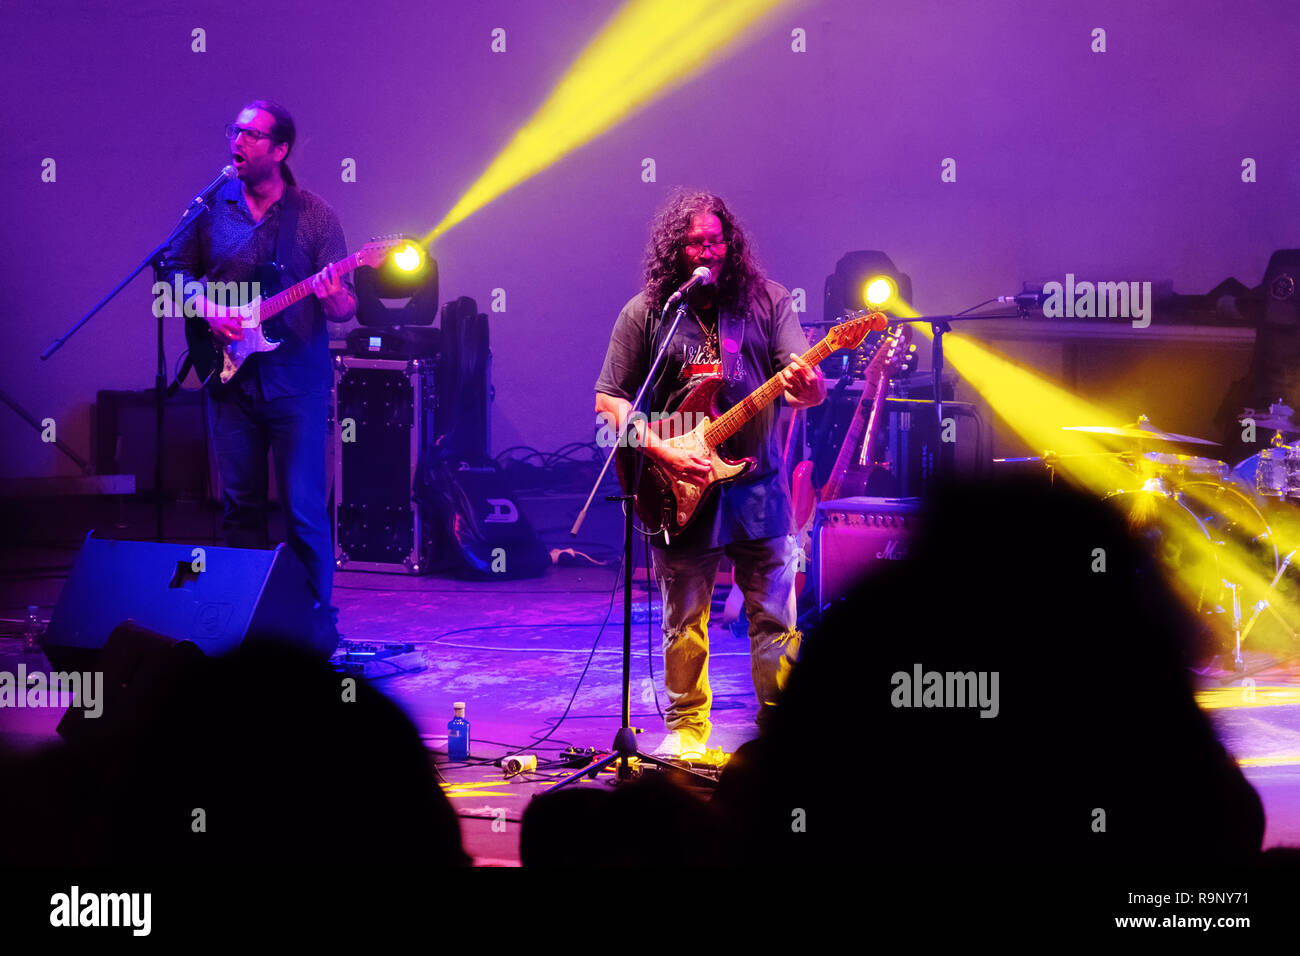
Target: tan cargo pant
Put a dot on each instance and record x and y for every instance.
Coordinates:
(765, 574)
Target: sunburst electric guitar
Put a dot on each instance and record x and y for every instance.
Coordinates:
(667, 505)
(212, 354)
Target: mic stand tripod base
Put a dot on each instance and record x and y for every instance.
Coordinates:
(624, 750)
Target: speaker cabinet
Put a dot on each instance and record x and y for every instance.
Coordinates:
(854, 536)
(214, 597)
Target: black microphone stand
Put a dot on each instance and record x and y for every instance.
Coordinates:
(195, 209)
(625, 740)
(939, 327)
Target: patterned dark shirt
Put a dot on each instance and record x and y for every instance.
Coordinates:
(752, 346)
(226, 245)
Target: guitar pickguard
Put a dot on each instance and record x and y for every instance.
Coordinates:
(686, 497)
(234, 353)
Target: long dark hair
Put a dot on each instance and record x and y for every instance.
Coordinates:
(739, 277)
(282, 131)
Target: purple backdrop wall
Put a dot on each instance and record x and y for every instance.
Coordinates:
(1126, 164)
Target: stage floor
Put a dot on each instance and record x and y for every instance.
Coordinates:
(515, 652)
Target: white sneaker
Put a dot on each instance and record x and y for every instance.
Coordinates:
(679, 744)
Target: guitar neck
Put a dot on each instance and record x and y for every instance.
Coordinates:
(735, 418)
(296, 293)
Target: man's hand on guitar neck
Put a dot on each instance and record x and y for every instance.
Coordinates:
(804, 386)
(335, 299)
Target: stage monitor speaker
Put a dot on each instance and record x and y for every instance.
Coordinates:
(215, 597)
(854, 536)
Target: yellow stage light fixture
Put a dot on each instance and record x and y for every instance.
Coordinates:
(407, 258)
(877, 292)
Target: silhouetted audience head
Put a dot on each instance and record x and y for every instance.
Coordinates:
(265, 755)
(1097, 751)
(649, 821)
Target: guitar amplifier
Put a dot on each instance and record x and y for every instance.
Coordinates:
(854, 536)
(383, 422)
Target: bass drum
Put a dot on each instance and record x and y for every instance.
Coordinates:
(1178, 538)
(1231, 513)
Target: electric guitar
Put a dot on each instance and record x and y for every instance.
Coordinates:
(211, 353)
(894, 352)
(667, 505)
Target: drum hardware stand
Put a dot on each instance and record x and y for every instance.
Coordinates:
(1051, 460)
(1259, 609)
(1237, 634)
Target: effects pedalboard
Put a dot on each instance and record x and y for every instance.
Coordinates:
(371, 659)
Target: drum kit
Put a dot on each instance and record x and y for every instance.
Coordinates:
(1208, 520)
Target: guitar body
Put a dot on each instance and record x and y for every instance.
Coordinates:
(662, 503)
(210, 354)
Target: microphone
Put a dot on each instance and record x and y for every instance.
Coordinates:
(1025, 300)
(202, 198)
(701, 276)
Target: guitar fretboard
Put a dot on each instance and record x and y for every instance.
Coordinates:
(734, 419)
(296, 293)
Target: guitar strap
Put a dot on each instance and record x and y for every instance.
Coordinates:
(297, 318)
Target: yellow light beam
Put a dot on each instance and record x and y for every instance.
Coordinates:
(1036, 408)
(647, 48)
(1265, 695)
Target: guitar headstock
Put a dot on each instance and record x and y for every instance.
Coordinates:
(855, 327)
(894, 353)
(374, 252)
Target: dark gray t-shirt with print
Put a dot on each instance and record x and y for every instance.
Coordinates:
(753, 344)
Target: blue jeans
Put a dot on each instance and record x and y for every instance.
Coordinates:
(244, 426)
(765, 574)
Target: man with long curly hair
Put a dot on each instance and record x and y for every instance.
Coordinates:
(743, 327)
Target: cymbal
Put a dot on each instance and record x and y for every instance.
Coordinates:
(1142, 429)
(1278, 418)
(1276, 424)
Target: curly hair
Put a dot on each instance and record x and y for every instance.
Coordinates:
(665, 271)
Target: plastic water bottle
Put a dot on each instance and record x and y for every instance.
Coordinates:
(458, 734)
